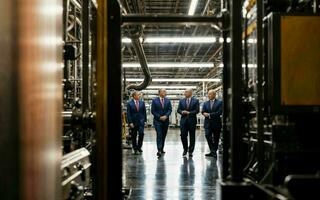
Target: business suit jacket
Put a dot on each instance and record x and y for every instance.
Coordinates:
(214, 120)
(138, 118)
(191, 119)
(157, 110)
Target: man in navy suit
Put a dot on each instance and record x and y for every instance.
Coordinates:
(136, 116)
(212, 110)
(188, 109)
(161, 110)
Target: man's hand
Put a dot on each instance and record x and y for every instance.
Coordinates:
(131, 125)
(163, 118)
(185, 112)
(206, 114)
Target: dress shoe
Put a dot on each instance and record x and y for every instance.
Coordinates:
(163, 152)
(209, 154)
(184, 153)
(135, 152)
(159, 154)
(190, 154)
(140, 150)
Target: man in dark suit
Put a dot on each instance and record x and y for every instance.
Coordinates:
(161, 110)
(188, 109)
(212, 110)
(136, 116)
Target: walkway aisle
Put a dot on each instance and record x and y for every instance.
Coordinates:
(171, 176)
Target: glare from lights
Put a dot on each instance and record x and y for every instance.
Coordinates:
(50, 9)
(170, 65)
(193, 6)
(243, 65)
(176, 80)
(174, 40)
(172, 87)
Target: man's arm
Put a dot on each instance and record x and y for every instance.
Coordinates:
(216, 113)
(203, 108)
(144, 112)
(153, 110)
(179, 108)
(129, 114)
(169, 109)
(196, 110)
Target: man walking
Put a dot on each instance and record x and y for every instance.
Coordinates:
(188, 109)
(136, 116)
(161, 110)
(212, 110)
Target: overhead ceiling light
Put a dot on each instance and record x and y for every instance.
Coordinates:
(193, 6)
(177, 80)
(180, 40)
(221, 40)
(168, 96)
(172, 87)
(126, 40)
(243, 65)
(168, 91)
(174, 40)
(170, 65)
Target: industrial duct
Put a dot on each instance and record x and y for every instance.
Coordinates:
(142, 59)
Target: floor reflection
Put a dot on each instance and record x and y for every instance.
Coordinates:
(171, 176)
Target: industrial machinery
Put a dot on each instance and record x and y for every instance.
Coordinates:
(271, 117)
(79, 82)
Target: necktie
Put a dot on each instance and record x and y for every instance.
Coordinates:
(211, 104)
(137, 105)
(188, 103)
(162, 104)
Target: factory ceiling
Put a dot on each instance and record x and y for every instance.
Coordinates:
(183, 52)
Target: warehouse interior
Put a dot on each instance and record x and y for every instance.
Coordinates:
(70, 67)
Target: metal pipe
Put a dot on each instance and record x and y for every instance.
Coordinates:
(225, 117)
(169, 19)
(236, 88)
(85, 54)
(142, 59)
(260, 150)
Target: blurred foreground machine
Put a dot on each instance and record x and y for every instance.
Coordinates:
(79, 92)
(275, 151)
(75, 169)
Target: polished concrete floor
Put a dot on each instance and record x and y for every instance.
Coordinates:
(171, 176)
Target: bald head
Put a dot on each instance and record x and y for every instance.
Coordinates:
(188, 93)
(211, 94)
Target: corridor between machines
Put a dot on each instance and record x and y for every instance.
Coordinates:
(171, 176)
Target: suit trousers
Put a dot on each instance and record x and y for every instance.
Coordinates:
(161, 129)
(213, 136)
(186, 129)
(134, 132)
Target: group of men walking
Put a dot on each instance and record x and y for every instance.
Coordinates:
(188, 108)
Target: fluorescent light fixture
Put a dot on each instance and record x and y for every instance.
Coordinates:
(221, 40)
(180, 40)
(170, 65)
(175, 40)
(126, 40)
(177, 80)
(168, 96)
(172, 87)
(168, 91)
(193, 6)
(243, 65)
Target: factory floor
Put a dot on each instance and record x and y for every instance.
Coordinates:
(171, 176)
